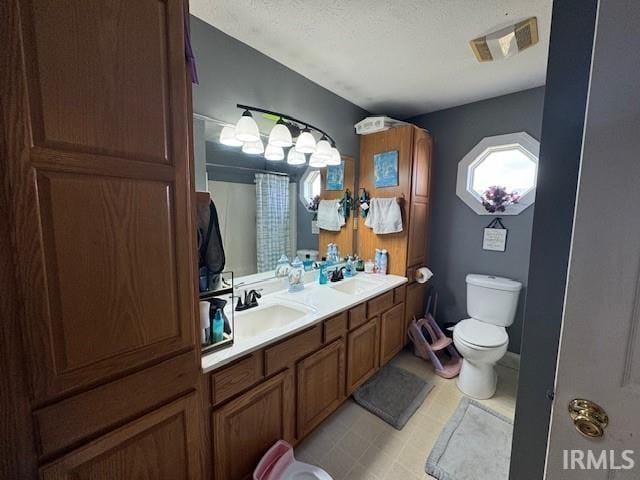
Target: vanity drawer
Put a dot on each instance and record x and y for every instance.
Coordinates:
(289, 351)
(399, 294)
(335, 327)
(380, 304)
(357, 316)
(237, 377)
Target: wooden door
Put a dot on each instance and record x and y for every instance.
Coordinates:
(100, 178)
(395, 139)
(362, 354)
(321, 386)
(599, 356)
(391, 332)
(245, 428)
(418, 242)
(157, 445)
(415, 303)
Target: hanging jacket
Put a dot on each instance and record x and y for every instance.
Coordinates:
(210, 249)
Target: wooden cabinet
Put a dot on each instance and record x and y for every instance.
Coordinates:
(391, 332)
(158, 445)
(321, 385)
(362, 354)
(97, 109)
(408, 248)
(245, 428)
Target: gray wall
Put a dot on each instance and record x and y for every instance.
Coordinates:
(572, 33)
(456, 230)
(231, 72)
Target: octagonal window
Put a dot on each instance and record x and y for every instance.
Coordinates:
(506, 164)
(310, 187)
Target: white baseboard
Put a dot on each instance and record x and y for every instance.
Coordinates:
(510, 360)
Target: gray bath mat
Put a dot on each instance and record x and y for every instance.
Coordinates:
(474, 445)
(393, 394)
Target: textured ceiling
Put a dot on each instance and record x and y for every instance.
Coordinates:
(398, 57)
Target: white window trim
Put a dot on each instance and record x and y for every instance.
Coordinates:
(525, 142)
(303, 179)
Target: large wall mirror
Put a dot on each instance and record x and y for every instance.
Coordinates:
(263, 206)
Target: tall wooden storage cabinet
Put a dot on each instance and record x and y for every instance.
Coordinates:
(409, 249)
(96, 108)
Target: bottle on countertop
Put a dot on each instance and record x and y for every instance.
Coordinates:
(308, 263)
(218, 327)
(322, 275)
(376, 261)
(384, 262)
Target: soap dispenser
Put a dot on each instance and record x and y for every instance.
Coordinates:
(296, 276)
(349, 270)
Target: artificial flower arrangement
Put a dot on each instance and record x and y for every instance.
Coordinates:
(497, 199)
(313, 204)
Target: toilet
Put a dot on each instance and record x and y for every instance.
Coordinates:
(280, 464)
(482, 339)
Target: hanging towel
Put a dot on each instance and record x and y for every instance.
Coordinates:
(329, 217)
(384, 216)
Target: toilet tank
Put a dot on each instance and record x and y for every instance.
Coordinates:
(492, 299)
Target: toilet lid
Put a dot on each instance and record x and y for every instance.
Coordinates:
(481, 334)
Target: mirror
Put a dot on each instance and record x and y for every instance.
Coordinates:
(265, 208)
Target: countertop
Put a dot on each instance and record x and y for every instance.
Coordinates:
(319, 303)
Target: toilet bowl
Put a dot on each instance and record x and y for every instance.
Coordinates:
(280, 464)
(481, 346)
(482, 339)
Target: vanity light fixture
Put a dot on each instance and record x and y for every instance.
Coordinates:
(317, 161)
(335, 159)
(282, 135)
(306, 143)
(295, 158)
(253, 148)
(274, 153)
(323, 149)
(228, 137)
(247, 128)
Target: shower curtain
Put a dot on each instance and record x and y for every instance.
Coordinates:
(272, 219)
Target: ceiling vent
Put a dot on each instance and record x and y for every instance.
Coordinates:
(506, 42)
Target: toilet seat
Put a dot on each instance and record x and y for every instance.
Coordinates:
(304, 471)
(279, 463)
(480, 335)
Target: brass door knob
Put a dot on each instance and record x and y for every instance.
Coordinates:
(589, 418)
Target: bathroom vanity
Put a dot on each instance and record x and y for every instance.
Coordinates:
(282, 381)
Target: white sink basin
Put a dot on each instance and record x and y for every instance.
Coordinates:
(353, 287)
(266, 317)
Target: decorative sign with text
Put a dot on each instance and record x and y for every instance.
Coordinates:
(495, 236)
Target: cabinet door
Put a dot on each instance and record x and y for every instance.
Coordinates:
(415, 303)
(391, 332)
(101, 186)
(418, 241)
(321, 385)
(362, 354)
(244, 429)
(157, 445)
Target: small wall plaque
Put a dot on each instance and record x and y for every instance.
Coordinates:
(495, 236)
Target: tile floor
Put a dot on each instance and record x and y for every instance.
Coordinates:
(353, 444)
